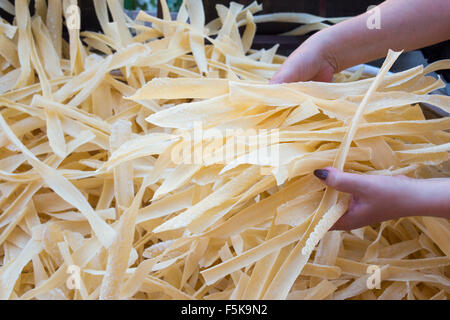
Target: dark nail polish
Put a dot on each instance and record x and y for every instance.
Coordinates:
(321, 174)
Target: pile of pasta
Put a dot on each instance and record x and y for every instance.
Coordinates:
(94, 205)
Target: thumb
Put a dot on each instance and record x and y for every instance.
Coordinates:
(343, 181)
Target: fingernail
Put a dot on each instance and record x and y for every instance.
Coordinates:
(321, 174)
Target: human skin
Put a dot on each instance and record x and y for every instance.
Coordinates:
(404, 25)
(380, 198)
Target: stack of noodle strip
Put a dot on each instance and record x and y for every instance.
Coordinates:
(92, 181)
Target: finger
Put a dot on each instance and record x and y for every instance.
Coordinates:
(284, 74)
(344, 181)
(299, 66)
(289, 73)
(346, 223)
(355, 219)
(325, 74)
(351, 218)
(280, 77)
(342, 224)
(360, 214)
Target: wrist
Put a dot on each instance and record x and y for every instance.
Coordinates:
(436, 197)
(425, 197)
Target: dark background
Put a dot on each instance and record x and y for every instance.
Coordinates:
(325, 8)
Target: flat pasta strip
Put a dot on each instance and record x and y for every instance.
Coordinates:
(156, 157)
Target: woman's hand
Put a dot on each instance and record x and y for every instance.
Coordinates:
(310, 61)
(352, 42)
(349, 43)
(380, 198)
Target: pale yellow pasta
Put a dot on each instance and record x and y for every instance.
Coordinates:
(131, 156)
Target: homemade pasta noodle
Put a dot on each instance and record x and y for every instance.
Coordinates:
(155, 161)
